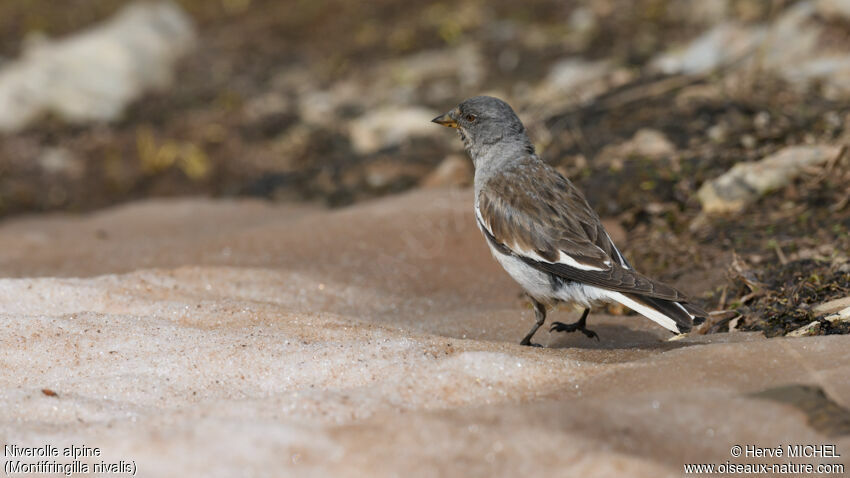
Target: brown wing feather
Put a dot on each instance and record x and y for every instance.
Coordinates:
(545, 217)
(531, 209)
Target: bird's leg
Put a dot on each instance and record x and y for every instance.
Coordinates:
(540, 316)
(581, 326)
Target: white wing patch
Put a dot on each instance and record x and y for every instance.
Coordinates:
(619, 255)
(686, 310)
(563, 257)
(566, 259)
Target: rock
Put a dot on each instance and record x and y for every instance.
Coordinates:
(790, 47)
(805, 331)
(508, 60)
(746, 182)
(831, 306)
(582, 20)
(646, 143)
(582, 24)
(325, 107)
(718, 133)
(834, 9)
(832, 71)
(719, 46)
(571, 80)
(383, 174)
(708, 12)
(749, 141)
(572, 73)
(265, 105)
(433, 76)
(95, 74)
(842, 316)
(318, 107)
(650, 143)
(454, 172)
(390, 126)
(60, 161)
(792, 38)
(439, 76)
(826, 415)
(465, 63)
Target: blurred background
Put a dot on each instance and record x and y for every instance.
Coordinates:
(647, 105)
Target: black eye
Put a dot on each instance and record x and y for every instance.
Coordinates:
(471, 118)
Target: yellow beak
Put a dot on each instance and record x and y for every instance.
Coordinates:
(448, 120)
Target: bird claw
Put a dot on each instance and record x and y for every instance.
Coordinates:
(562, 327)
(530, 344)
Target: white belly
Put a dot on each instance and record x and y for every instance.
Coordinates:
(540, 286)
(536, 283)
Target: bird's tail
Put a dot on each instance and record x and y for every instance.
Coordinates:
(676, 317)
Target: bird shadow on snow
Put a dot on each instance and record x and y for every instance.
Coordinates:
(625, 332)
(613, 337)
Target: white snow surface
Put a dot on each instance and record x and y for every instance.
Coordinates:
(236, 338)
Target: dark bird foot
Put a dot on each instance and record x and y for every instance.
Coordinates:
(580, 325)
(530, 344)
(562, 327)
(540, 317)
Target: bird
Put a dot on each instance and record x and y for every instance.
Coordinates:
(543, 232)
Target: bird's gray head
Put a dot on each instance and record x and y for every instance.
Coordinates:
(483, 122)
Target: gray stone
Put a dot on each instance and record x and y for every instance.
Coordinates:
(834, 9)
(807, 330)
(572, 78)
(60, 161)
(719, 46)
(832, 306)
(789, 47)
(390, 126)
(842, 316)
(455, 171)
(746, 182)
(646, 143)
(95, 74)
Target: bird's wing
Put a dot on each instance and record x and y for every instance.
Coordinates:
(534, 213)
